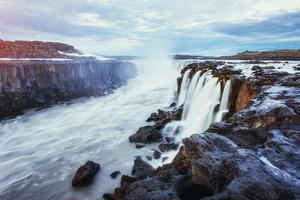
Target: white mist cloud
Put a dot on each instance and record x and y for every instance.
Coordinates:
(124, 27)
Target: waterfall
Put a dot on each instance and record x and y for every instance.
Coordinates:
(184, 87)
(201, 111)
(194, 94)
(224, 102)
(190, 93)
(200, 97)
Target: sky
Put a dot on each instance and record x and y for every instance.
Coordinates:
(131, 27)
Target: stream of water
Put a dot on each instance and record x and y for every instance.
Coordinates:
(40, 151)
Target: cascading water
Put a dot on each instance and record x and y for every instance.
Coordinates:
(40, 151)
(194, 92)
(201, 111)
(224, 102)
(184, 87)
(190, 92)
(201, 96)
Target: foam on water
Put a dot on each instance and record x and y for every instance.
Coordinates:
(40, 152)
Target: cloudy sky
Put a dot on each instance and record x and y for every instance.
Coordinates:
(129, 27)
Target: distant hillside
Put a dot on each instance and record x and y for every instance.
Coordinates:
(183, 57)
(266, 55)
(34, 49)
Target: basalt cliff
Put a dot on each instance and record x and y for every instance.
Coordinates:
(35, 74)
(252, 154)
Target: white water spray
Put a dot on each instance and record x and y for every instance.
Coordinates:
(224, 102)
(184, 87)
(200, 97)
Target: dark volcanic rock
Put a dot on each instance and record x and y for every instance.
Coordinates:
(85, 174)
(168, 146)
(152, 133)
(115, 174)
(156, 154)
(141, 168)
(147, 134)
(149, 157)
(108, 196)
(253, 155)
(162, 116)
(30, 84)
(139, 145)
(215, 167)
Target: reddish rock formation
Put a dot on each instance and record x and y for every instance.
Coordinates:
(246, 93)
(267, 55)
(34, 49)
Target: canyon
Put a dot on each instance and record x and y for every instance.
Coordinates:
(37, 74)
(202, 129)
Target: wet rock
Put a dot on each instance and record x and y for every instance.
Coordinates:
(108, 196)
(151, 189)
(156, 154)
(139, 145)
(162, 116)
(157, 116)
(149, 157)
(164, 147)
(164, 159)
(256, 68)
(141, 168)
(169, 139)
(297, 68)
(147, 134)
(220, 127)
(246, 93)
(85, 174)
(115, 174)
(172, 105)
(125, 183)
(254, 154)
(212, 166)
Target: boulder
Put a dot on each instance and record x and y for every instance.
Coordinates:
(141, 168)
(156, 154)
(168, 146)
(146, 134)
(85, 174)
(115, 174)
(108, 196)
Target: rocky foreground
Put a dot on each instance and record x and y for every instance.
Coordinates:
(37, 74)
(254, 154)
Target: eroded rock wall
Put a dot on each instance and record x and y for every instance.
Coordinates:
(27, 84)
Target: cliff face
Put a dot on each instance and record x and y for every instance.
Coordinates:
(27, 84)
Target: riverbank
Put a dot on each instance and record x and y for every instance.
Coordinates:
(54, 72)
(252, 154)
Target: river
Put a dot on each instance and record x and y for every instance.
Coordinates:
(40, 151)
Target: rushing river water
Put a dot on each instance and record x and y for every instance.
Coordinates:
(40, 151)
